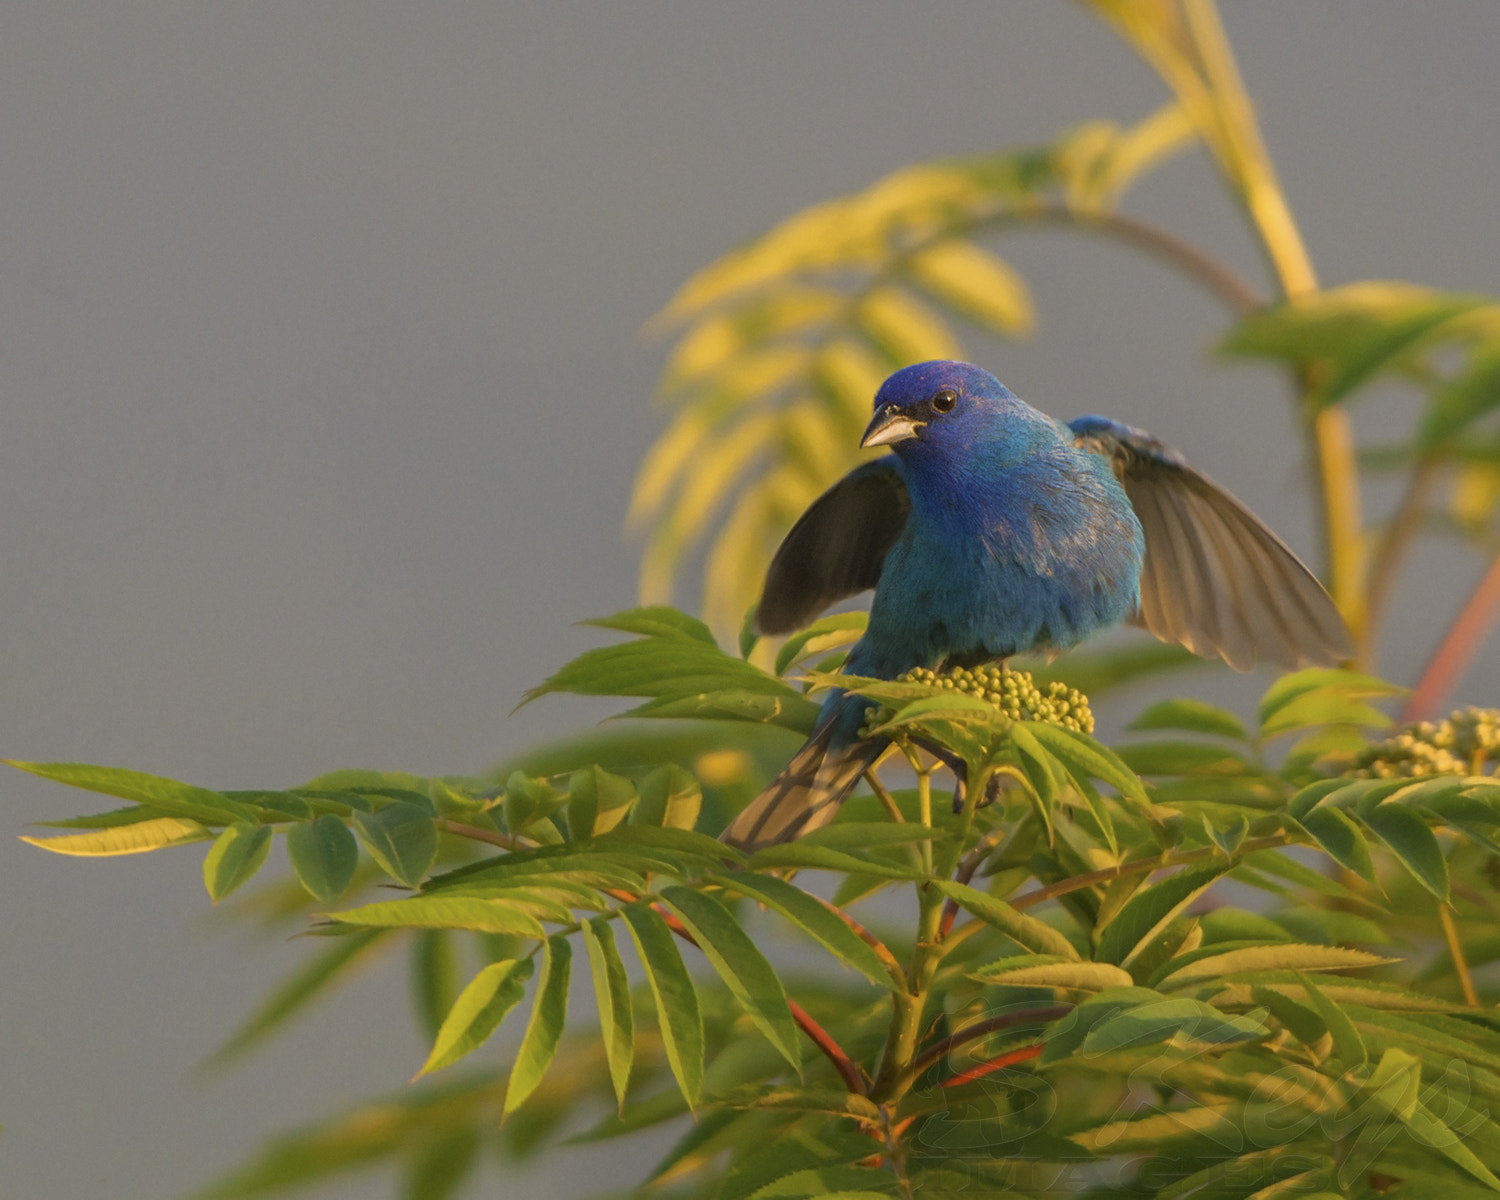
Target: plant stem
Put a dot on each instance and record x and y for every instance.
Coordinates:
(848, 1070)
(1456, 952)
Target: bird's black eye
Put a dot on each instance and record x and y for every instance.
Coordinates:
(944, 401)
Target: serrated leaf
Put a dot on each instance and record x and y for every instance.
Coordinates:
(1023, 930)
(236, 855)
(678, 1015)
(1195, 716)
(1341, 839)
(544, 1028)
(1150, 910)
(1158, 1020)
(814, 918)
(444, 912)
(1279, 957)
(169, 795)
(670, 798)
(1316, 679)
(401, 838)
(813, 857)
(871, 835)
(744, 969)
(135, 838)
(1083, 756)
(612, 992)
(478, 1011)
(1347, 1043)
(658, 620)
(1304, 1023)
(1413, 844)
(1033, 971)
(323, 855)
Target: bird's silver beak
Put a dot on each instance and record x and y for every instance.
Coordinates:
(890, 425)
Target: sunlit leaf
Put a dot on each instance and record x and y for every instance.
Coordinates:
(236, 855)
(168, 795)
(478, 1011)
(612, 991)
(544, 1029)
(135, 838)
(677, 1011)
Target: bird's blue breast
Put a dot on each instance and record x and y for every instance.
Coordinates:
(1017, 544)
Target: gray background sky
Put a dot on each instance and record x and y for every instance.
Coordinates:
(322, 386)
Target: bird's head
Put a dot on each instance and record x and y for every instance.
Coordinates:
(940, 405)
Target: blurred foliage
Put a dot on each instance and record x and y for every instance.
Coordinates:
(1044, 989)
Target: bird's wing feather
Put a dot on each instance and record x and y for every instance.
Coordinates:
(1215, 579)
(836, 548)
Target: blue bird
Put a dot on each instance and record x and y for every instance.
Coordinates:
(994, 530)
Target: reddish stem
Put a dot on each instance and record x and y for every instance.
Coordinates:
(1458, 647)
(853, 1078)
(981, 1028)
(1004, 1060)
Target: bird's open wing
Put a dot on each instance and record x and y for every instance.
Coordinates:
(836, 548)
(1215, 579)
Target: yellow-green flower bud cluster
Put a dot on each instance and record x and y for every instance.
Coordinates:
(1467, 743)
(1014, 693)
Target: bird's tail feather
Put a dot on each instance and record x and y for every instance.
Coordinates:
(807, 793)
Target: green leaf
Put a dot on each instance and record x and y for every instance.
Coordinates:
(1025, 931)
(169, 795)
(320, 969)
(823, 634)
(1319, 679)
(1347, 1043)
(1158, 1020)
(1085, 757)
(1304, 1023)
(135, 838)
(237, 854)
(677, 1010)
(612, 991)
(794, 712)
(1323, 708)
(442, 1164)
(813, 857)
(1413, 844)
(443, 912)
(1150, 910)
(1341, 839)
(670, 798)
(1186, 758)
(478, 1011)
(743, 968)
(1037, 971)
(814, 918)
(1278, 957)
(871, 835)
(657, 621)
(597, 801)
(1195, 716)
(401, 838)
(544, 1029)
(323, 855)
(528, 801)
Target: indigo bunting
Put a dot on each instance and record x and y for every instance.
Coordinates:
(994, 530)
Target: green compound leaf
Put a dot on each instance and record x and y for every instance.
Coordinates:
(549, 1013)
(401, 838)
(237, 854)
(677, 1010)
(478, 1011)
(743, 968)
(1086, 758)
(1195, 716)
(612, 991)
(814, 918)
(323, 855)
